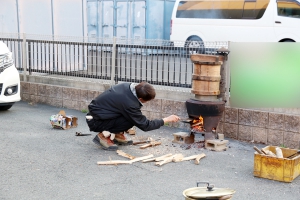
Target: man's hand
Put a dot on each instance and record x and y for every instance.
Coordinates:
(171, 118)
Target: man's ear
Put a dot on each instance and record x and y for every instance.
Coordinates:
(142, 100)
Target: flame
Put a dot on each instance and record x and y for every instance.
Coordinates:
(200, 120)
(197, 124)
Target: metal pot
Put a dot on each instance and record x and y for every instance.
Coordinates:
(209, 192)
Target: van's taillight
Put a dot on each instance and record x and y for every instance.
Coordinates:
(171, 27)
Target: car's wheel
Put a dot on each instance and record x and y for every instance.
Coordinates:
(195, 44)
(288, 41)
(2, 108)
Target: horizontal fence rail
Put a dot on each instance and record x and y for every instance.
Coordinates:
(158, 62)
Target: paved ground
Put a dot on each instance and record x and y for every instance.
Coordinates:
(38, 162)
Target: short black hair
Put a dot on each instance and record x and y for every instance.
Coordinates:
(145, 91)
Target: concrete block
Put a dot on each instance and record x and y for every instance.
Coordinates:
(33, 99)
(216, 145)
(83, 95)
(276, 121)
(33, 88)
(292, 123)
(168, 106)
(92, 94)
(231, 115)
(291, 140)
(183, 138)
(42, 99)
(245, 133)
(42, 90)
(220, 136)
(25, 86)
(259, 135)
(154, 105)
(245, 117)
(220, 127)
(230, 130)
(275, 137)
(25, 97)
(71, 93)
(155, 115)
(260, 119)
(180, 108)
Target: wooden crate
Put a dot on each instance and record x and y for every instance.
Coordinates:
(284, 169)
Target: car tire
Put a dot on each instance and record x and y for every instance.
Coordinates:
(288, 41)
(2, 108)
(195, 42)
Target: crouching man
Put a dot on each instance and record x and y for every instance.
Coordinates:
(118, 109)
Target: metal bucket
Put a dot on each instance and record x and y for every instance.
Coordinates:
(209, 192)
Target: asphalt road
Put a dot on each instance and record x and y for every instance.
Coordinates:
(39, 162)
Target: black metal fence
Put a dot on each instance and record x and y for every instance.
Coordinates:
(157, 62)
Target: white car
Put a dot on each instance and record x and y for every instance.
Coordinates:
(9, 79)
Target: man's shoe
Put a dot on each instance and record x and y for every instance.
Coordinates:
(105, 143)
(121, 139)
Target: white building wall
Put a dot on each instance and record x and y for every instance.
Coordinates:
(35, 17)
(8, 16)
(68, 16)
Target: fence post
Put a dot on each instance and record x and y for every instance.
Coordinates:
(227, 86)
(24, 55)
(113, 62)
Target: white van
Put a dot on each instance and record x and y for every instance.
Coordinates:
(194, 21)
(9, 79)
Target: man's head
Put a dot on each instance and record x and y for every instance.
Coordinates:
(145, 92)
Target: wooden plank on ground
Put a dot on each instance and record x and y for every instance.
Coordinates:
(116, 162)
(178, 158)
(163, 157)
(126, 155)
(197, 159)
(141, 158)
(192, 157)
(151, 144)
(168, 159)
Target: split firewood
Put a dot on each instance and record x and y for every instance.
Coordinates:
(177, 158)
(140, 142)
(197, 159)
(115, 162)
(148, 160)
(270, 153)
(191, 157)
(151, 144)
(163, 157)
(264, 152)
(141, 158)
(257, 150)
(168, 159)
(121, 153)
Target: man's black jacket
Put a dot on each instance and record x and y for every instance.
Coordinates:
(119, 101)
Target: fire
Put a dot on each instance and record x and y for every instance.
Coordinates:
(197, 125)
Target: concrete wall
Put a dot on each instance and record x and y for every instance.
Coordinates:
(256, 126)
